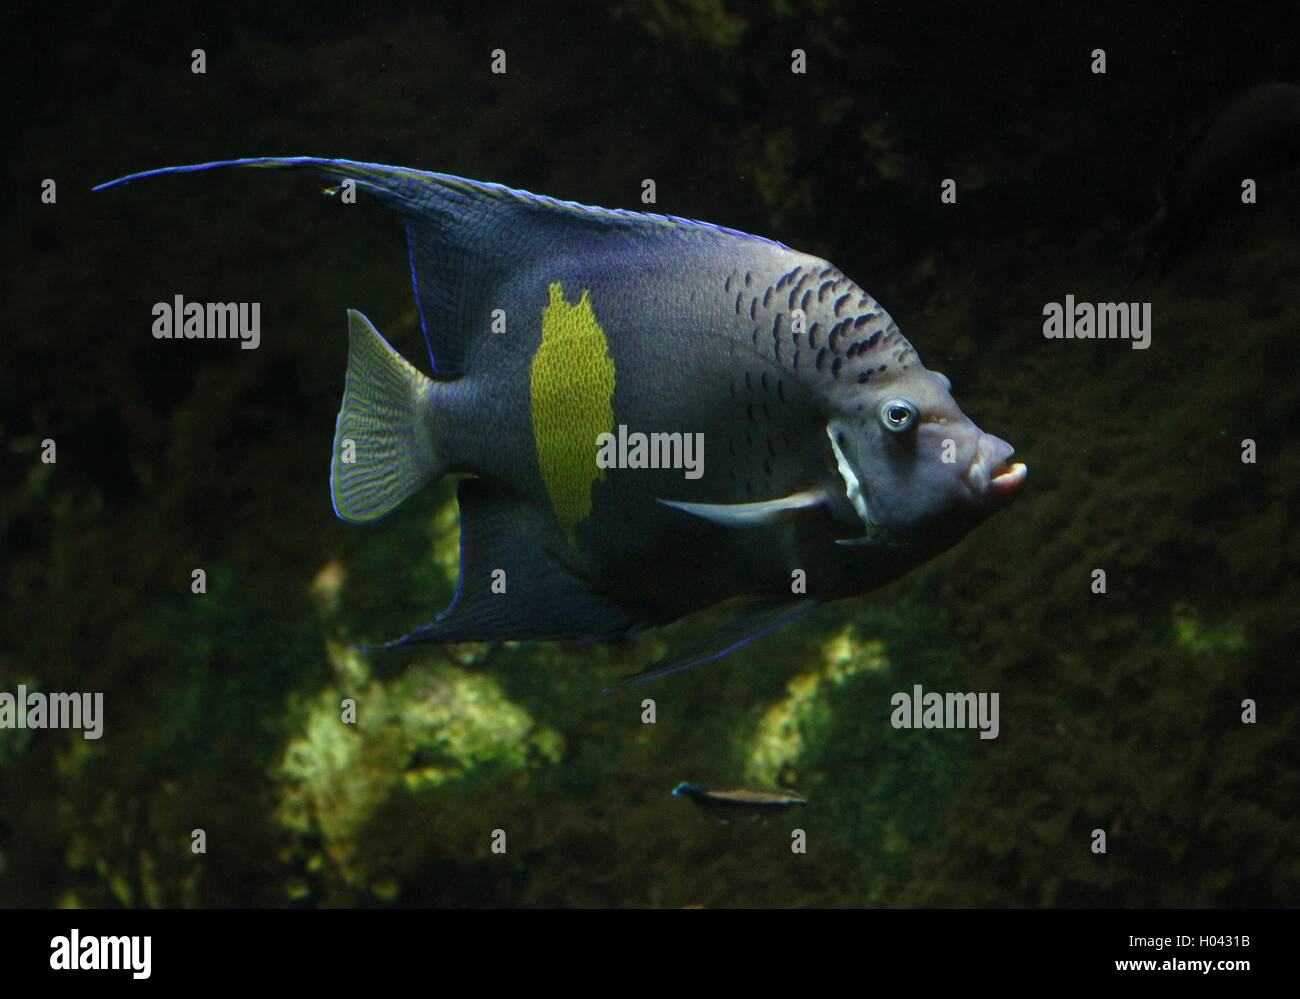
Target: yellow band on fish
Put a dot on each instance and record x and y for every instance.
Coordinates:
(572, 386)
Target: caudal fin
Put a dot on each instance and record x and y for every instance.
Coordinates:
(383, 441)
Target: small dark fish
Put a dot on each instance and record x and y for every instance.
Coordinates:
(1255, 136)
(649, 416)
(740, 801)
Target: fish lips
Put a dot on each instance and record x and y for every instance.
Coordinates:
(992, 476)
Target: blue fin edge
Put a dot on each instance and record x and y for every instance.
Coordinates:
(657, 674)
(443, 178)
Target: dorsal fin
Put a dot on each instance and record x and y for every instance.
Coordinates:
(465, 237)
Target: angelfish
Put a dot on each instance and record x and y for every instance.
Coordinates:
(834, 460)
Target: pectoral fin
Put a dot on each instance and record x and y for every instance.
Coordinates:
(754, 619)
(752, 514)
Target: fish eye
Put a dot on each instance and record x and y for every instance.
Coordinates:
(897, 414)
(947, 382)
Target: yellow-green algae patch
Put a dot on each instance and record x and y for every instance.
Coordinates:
(799, 718)
(1196, 636)
(445, 554)
(572, 384)
(446, 540)
(434, 726)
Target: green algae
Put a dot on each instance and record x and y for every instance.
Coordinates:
(802, 717)
(433, 726)
(1195, 635)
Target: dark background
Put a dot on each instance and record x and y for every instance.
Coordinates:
(1118, 712)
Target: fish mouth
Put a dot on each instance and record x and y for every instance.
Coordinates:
(1007, 479)
(992, 474)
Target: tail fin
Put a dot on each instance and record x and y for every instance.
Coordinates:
(383, 443)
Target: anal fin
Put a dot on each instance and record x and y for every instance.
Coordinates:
(510, 588)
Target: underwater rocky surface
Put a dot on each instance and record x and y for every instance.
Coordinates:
(1119, 711)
